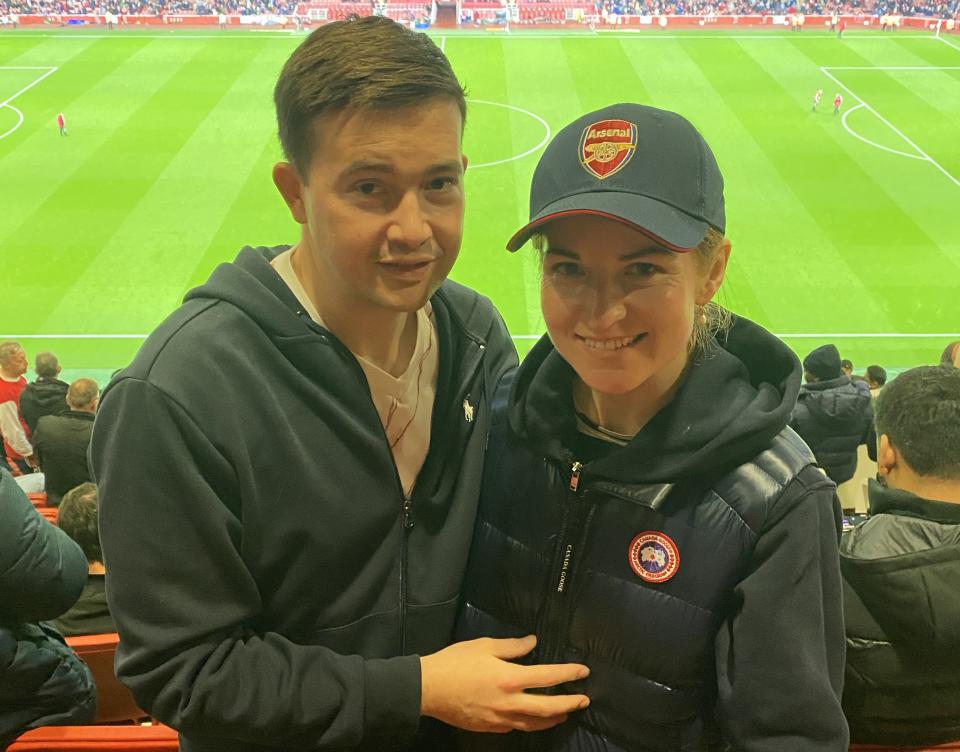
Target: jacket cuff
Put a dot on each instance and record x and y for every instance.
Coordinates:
(392, 695)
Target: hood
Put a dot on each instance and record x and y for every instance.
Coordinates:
(48, 394)
(904, 564)
(837, 401)
(731, 404)
(252, 285)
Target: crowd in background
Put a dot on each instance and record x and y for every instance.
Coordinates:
(944, 9)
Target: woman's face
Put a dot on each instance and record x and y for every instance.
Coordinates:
(619, 307)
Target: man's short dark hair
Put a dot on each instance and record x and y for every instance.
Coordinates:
(920, 413)
(46, 365)
(363, 64)
(77, 517)
(877, 374)
(846, 363)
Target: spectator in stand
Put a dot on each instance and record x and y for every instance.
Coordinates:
(833, 414)
(42, 573)
(78, 519)
(846, 367)
(901, 571)
(876, 378)
(61, 441)
(18, 451)
(45, 396)
(951, 355)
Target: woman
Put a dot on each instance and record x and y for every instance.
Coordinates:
(646, 511)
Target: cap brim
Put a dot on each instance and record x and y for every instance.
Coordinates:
(673, 228)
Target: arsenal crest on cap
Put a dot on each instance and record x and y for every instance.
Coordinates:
(607, 146)
(653, 556)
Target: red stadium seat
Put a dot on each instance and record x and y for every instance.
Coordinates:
(97, 739)
(49, 512)
(39, 499)
(114, 700)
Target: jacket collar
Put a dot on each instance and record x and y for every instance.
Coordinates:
(885, 500)
(820, 386)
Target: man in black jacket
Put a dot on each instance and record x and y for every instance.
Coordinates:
(901, 571)
(42, 572)
(289, 470)
(833, 414)
(61, 441)
(45, 396)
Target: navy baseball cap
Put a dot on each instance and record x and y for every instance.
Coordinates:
(648, 168)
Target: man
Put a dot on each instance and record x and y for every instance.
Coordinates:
(951, 355)
(833, 414)
(18, 451)
(77, 517)
(901, 571)
(876, 377)
(62, 124)
(837, 101)
(289, 470)
(42, 573)
(817, 95)
(846, 367)
(45, 396)
(61, 441)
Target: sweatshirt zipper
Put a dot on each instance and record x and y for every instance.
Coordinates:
(407, 508)
(562, 568)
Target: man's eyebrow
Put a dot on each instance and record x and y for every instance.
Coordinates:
(369, 165)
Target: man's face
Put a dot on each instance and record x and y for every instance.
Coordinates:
(16, 364)
(382, 204)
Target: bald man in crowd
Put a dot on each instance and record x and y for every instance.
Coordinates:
(61, 441)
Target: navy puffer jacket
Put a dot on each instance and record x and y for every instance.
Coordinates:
(694, 570)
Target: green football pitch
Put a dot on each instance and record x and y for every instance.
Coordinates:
(844, 228)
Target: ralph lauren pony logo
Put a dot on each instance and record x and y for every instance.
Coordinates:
(607, 146)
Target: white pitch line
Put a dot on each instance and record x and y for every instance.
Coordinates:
(895, 67)
(50, 70)
(948, 42)
(825, 335)
(546, 137)
(19, 121)
(890, 125)
(443, 44)
(873, 143)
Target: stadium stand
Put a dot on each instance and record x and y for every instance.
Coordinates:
(114, 701)
(154, 738)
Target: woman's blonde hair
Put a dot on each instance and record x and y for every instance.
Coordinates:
(710, 320)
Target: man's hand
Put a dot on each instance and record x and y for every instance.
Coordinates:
(32, 461)
(472, 685)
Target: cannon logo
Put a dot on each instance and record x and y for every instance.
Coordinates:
(607, 146)
(653, 557)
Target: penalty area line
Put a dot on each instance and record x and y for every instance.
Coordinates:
(826, 71)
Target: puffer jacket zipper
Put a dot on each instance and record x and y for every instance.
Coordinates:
(566, 557)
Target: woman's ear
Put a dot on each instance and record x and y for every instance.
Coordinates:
(715, 275)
